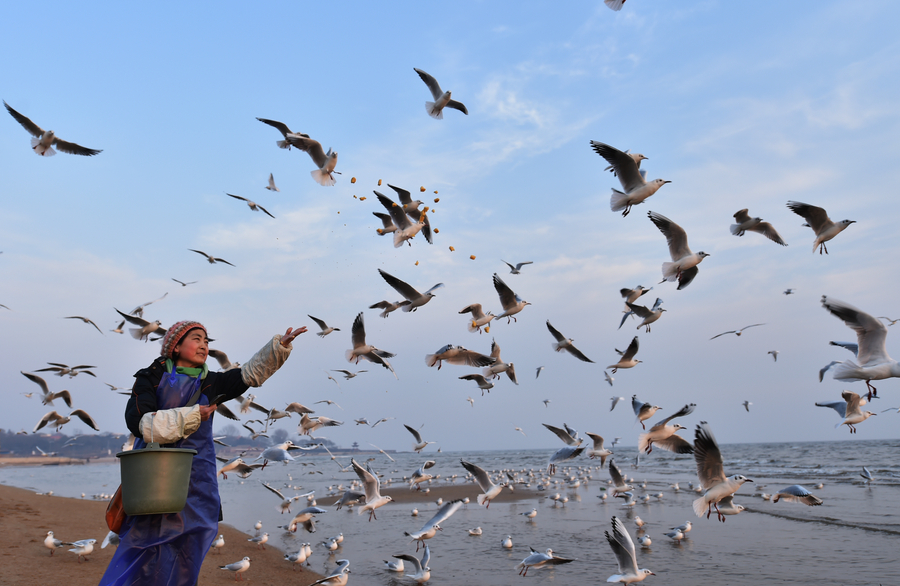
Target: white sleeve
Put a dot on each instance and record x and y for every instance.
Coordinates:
(170, 425)
(265, 362)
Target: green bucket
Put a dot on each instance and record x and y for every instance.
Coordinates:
(155, 480)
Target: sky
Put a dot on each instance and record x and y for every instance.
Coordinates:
(739, 105)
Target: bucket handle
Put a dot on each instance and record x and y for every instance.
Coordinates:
(152, 444)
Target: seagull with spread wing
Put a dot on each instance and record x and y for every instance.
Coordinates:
(210, 258)
(571, 450)
(711, 471)
(271, 186)
(683, 267)
(441, 98)
(849, 409)
(367, 351)
(498, 367)
(55, 419)
(491, 490)
(411, 207)
(404, 229)
(483, 383)
(372, 486)
(252, 205)
(817, 219)
(736, 332)
(284, 130)
(47, 396)
(564, 343)
(325, 328)
(665, 436)
(326, 162)
(85, 320)
(626, 558)
(512, 303)
(633, 180)
(517, 268)
(598, 451)
(648, 315)
(419, 444)
(416, 299)
(479, 317)
(44, 140)
(458, 355)
(627, 359)
(745, 223)
(539, 559)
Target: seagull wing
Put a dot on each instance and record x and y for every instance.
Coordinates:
(623, 548)
(85, 418)
(312, 147)
(847, 346)
(742, 216)
(431, 82)
(401, 287)
(237, 197)
(281, 126)
(637, 405)
(707, 456)
(559, 337)
(816, 217)
(401, 220)
(386, 220)
(852, 400)
(226, 412)
(415, 433)
(686, 410)
(624, 165)
(410, 560)
(275, 490)
(562, 434)
(475, 377)
(686, 277)
(220, 357)
(578, 354)
(480, 475)
(675, 235)
(444, 513)
(74, 149)
(640, 310)
(457, 106)
(32, 128)
(511, 373)
(767, 230)
(265, 211)
(49, 417)
(616, 474)
(508, 299)
(870, 332)
(675, 443)
(631, 350)
(370, 481)
(358, 331)
(37, 380)
(798, 494)
(322, 325)
(402, 194)
(598, 441)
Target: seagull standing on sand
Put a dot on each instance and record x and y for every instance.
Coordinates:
(325, 162)
(44, 140)
(636, 187)
(745, 222)
(82, 547)
(362, 350)
(441, 98)
(415, 298)
(491, 490)
(683, 267)
(873, 362)
(626, 558)
(817, 219)
(564, 343)
(627, 359)
(512, 303)
(372, 487)
(711, 472)
(52, 543)
(849, 410)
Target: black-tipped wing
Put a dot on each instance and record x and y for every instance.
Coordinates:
(623, 548)
(870, 332)
(632, 349)
(707, 456)
(686, 277)
(358, 331)
(816, 217)
(675, 235)
(624, 165)
(74, 149)
(311, 147)
(401, 287)
(562, 434)
(556, 334)
(32, 128)
(85, 418)
(433, 85)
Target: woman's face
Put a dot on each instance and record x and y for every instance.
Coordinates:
(192, 350)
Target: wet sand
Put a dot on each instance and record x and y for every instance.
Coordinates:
(27, 517)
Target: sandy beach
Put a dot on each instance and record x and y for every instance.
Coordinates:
(27, 517)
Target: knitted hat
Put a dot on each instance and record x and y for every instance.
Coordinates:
(176, 333)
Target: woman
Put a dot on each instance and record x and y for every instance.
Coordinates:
(170, 402)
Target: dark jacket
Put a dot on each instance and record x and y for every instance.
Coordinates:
(143, 393)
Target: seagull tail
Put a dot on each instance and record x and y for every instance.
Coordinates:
(845, 370)
(398, 239)
(481, 499)
(431, 359)
(45, 152)
(643, 442)
(136, 333)
(283, 144)
(472, 326)
(735, 228)
(487, 372)
(670, 271)
(618, 201)
(323, 177)
(349, 355)
(700, 505)
(437, 113)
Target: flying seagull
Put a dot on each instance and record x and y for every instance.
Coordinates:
(411, 207)
(271, 186)
(85, 320)
(388, 307)
(797, 494)
(182, 283)
(483, 383)
(498, 367)
(817, 219)
(420, 444)
(623, 548)
(210, 258)
(145, 327)
(479, 317)
(774, 354)
(252, 205)
(517, 268)
(458, 355)
(441, 98)
(563, 343)
(711, 472)
(325, 328)
(362, 350)
(405, 230)
(665, 436)
(415, 298)
(636, 187)
(642, 411)
(736, 332)
(57, 420)
(491, 490)
(44, 140)
(284, 130)
(512, 303)
(849, 410)
(745, 222)
(648, 315)
(683, 267)
(627, 359)
(325, 162)
(632, 295)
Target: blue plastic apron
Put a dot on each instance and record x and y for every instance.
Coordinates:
(168, 550)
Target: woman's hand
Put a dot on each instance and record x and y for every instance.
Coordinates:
(206, 411)
(290, 334)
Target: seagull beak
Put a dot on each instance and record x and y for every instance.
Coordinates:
(664, 182)
(748, 480)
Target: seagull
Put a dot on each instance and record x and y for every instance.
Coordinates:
(676, 535)
(422, 573)
(411, 207)
(57, 420)
(306, 517)
(746, 405)
(892, 321)
(252, 205)
(745, 222)
(85, 320)
(537, 372)
(441, 98)
(645, 541)
(260, 540)
(499, 366)
(371, 483)
(420, 444)
(563, 343)
(271, 186)
(145, 327)
(458, 355)
(44, 140)
(382, 420)
(571, 450)
(636, 187)
(324, 161)
(238, 567)
(348, 375)
(325, 328)
(664, 435)
(817, 219)
(475, 532)
(615, 400)
(873, 362)
(683, 267)
(546, 402)
(530, 514)
(610, 380)
(519, 429)
(351, 497)
(623, 549)
(482, 382)
(285, 506)
(210, 258)
(63, 369)
(736, 332)
(224, 362)
(849, 410)
(615, 5)
(82, 547)
(405, 230)
(362, 350)
(540, 560)
(788, 291)
(627, 360)
(388, 307)
(643, 411)
(491, 490)
(284, 130)
(517, 269)
(433, 525)
(470, 399)
(52, 543)
(797, 494)
(867, 476)
(598, 451)
(512, 303)
(711, 472)
(727, 506)
(113, 538)
(310, 424)
(479, 318)
(507, 543)
(632, 295)
(774, 354)
(649, 315)
(183, 284)
(420, 475)
(416, 299)
(387, 224)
